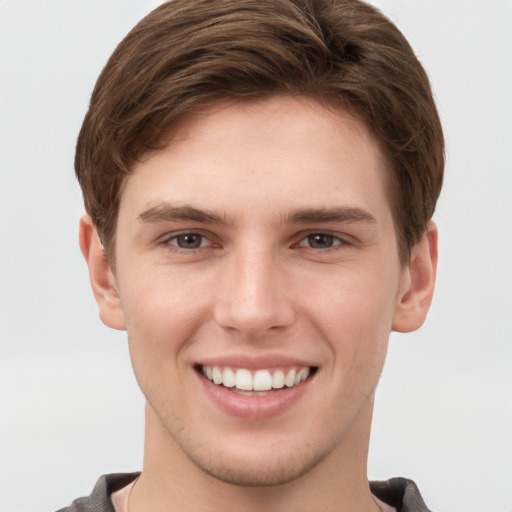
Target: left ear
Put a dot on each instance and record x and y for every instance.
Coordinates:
(417, 287)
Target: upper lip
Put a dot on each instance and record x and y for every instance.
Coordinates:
(267, 361)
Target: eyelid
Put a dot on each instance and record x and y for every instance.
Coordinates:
(201, 245)
(340, 238)
(169, 237)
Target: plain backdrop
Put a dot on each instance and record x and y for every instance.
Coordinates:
(70, 409)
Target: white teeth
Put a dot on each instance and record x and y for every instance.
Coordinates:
(259, 383)
(289, 380)
(228, 378)
(262, 381)
(278, 380)
(217, 375)
(301, 376)
(243, 380)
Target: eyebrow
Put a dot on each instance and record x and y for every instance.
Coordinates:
(167, 212)
(338, 214)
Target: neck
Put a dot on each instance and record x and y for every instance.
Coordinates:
(338, 483)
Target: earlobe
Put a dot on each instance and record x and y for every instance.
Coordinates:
(101, 276)
(418, 283)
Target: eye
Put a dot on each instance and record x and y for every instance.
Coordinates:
(189, 241)
(320, 241)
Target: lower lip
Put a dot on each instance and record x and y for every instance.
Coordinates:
(254, 407)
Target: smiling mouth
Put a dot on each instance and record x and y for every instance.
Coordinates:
(259, 382)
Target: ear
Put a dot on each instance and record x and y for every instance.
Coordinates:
(417, 286)
(102, 278)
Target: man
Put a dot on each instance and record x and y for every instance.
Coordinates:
(259, 179)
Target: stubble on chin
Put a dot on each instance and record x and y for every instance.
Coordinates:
(278, 469)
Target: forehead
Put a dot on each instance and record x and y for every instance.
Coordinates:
(277, 154)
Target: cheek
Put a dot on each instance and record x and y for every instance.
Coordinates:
(161, 324)
(354, 302)
(163, 313)
(355, 319)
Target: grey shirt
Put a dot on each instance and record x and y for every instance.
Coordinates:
(399, 493)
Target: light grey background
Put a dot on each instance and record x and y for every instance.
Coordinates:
(69, 407)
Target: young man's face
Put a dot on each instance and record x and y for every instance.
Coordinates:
(259, 246)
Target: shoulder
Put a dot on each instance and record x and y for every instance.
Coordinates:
(99, 499)
(401, 493)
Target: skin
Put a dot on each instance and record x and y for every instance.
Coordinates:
(260, 285)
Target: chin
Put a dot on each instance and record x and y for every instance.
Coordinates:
(260, 468)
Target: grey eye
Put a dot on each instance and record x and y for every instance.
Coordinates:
(188, 241)
(320, 240)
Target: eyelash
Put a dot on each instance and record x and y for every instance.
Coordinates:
(168, 241)
(334, 239)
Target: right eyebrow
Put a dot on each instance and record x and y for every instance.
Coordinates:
(166, 212)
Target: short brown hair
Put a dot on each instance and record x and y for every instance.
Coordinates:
(187, 54)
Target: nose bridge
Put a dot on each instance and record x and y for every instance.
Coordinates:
(252, 299)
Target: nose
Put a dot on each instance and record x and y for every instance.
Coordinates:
(253, 297)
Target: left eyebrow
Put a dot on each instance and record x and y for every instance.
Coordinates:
(339, 214)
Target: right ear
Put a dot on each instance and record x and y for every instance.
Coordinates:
(102, 278)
